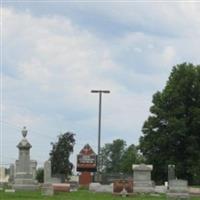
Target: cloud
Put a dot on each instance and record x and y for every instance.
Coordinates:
(52, 62)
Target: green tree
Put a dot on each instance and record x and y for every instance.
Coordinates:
(171, 133)
(112, 154)
(117, 158)
(40, 175)
(131, 156)
(60, 153)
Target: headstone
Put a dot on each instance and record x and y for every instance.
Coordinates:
(97, 187)
(123, 187)
(47, 171)
(23, 177)
(3, 176)
(61, 187)
(142, 178)
(161, 189)
(178, 189)
(9, 190)
(47, 190)
(48, 174)
(12, 173)
(171, 173)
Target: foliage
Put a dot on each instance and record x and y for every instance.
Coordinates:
(171, 133)
(131, 156)
(40, 175)
(60, 154)
(117, 158)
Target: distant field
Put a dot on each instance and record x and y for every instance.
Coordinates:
(80, 195)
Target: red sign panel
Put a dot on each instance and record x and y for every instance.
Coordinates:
(86, 160)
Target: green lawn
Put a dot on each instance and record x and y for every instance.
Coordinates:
(80, 195)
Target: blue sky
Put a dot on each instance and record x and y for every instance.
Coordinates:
(55, 53)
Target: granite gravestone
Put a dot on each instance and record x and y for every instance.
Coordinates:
(12, 173)
(171, 173)
(3, 177)
(178, 189)
(23, 177)
(142, 178)
(48, 174)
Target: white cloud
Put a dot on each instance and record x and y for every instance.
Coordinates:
(55, 63)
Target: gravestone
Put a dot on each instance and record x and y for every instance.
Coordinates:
(47, 171)
(48, 174)
(142, 178)
(123, 186)
(178, 189)
(47, 189)
(3, 177)
(98, 187)
(171, 173)
(23, 177)
(12, 173)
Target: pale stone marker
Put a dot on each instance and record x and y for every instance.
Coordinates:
(12, 173)
(3, 177)
(142, 178)
(23, 177)
(47, 171)
(48, 174)
(178, 189)
(171, 172)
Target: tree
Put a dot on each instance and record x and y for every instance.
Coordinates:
(60, 154)
(171, 133)
(40, 175)
(117, 158)
(131, 156)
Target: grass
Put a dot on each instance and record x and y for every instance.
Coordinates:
(79, 195)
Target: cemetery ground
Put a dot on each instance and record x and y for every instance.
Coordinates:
(79, 195)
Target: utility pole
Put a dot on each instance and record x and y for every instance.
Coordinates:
(99, 125)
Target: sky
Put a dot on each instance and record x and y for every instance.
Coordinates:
(54, 53)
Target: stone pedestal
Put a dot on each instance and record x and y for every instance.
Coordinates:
(23, 177)
(178, 189)
(85, 178)
(142, 178)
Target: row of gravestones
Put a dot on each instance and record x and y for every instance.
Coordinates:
(142, 183)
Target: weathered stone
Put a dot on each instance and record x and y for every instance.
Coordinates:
(171, 172)
(3, 177)
(178, 189)
(97, 187)
(48, 175)
(24, 178)
(9, 190)
(47, 171)
(12, 173)
(61, 187)
(47, 190)
(160, 189)
(142, 178)
(120, 185)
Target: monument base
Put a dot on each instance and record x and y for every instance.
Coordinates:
(25, 184)
(143, 187)
(25, 187)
